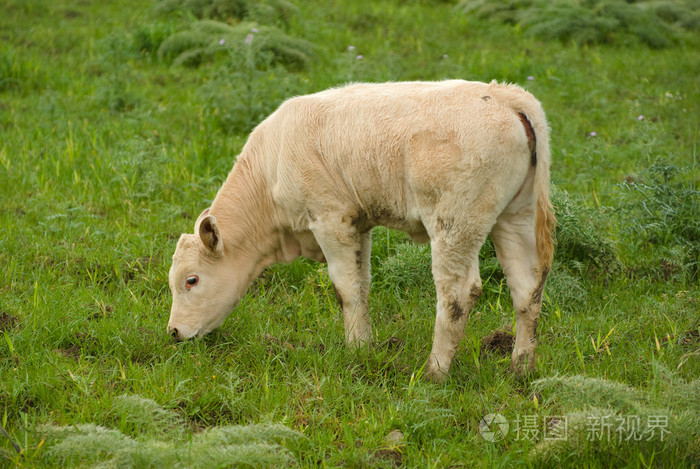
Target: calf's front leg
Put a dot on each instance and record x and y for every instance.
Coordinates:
(348, 255)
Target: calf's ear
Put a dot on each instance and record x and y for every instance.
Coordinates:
(199, 219)
(211, 236)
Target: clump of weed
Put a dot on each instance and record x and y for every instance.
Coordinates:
(113, 96)
(136, 415)
(686, 14)
(565, 288)
(269, 11)
(247, 88)
(507, 11)
(139, 168)
(654, 23)
(219, 9)
(408, 268)
(157, 437)
(112, 65)
(662, 212)
(146, 40)
(582, 243)
(614, 423)
(208, 39)
(598, 22)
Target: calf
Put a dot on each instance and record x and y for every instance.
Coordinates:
(447, 162)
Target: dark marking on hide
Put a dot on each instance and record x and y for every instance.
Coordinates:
(337, 296)
(360, 222)
(380, 214)
(536, 298)
(358, 259)
(456, 311)
(485, 98)
(531, 138)
(533, 337)
(312, 217)
(474, 294)
(444, 225)
(375, 215)
(385, 216)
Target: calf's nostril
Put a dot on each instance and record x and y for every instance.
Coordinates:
(174, 333)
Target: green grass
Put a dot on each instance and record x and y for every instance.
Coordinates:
(108, 152)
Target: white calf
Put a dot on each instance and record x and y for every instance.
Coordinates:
(450, 162)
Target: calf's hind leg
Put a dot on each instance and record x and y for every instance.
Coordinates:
(455, 264)
(514, 239)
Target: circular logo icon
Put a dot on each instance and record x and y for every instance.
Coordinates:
(493, 427)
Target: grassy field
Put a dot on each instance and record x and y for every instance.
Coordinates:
(120, 120)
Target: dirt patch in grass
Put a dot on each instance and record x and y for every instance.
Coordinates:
(280, 343)
(7, 322)
(392, 343)
(691, 337)
(388, 457)
(500, 342)
(80, 343)
(72, 352)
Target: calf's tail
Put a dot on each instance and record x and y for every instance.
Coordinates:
(534, 121)
(545, 221)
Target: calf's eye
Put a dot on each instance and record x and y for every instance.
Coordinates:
(191, 281)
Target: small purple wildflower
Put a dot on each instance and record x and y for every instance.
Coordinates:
(592, 134)
(360, 57)
(351, 48)
(530, 78)
(640, 117)
(249, 39)
(255, 30)
(444, 56)
(221, 42)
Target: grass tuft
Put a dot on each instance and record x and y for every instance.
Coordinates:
(611, 422)
(662, 212)
(268, 11)
(208, 39)
(656, 24)
(407, 268)
(157, 437)
(582, 240)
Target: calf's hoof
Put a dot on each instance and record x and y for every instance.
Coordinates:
(433, 372)
(523, 364)
(357, 343)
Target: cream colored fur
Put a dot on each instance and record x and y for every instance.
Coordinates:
(448, 162)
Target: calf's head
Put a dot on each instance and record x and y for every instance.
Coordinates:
(202, 281)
